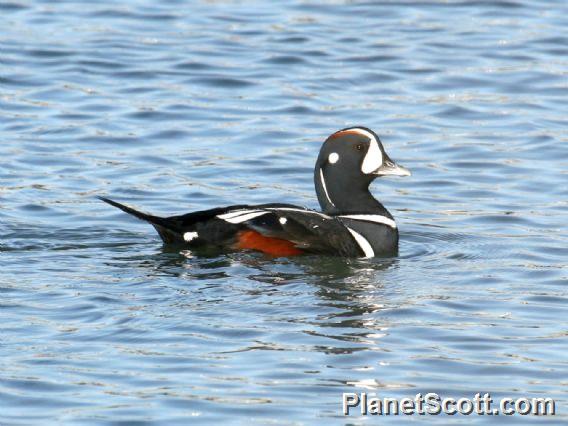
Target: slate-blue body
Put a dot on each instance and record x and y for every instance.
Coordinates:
(352, 222)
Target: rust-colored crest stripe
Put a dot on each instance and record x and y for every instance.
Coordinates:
(346, 132)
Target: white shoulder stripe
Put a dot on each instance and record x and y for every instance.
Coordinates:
(241, 216)
(363, 243)
(372, 218)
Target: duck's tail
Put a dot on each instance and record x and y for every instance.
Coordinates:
(143, 216)
(165, 227)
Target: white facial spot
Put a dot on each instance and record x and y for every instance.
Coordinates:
(188, 236)
(333, 157)
(283, 220)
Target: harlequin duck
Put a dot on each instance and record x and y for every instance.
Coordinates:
(352, 223)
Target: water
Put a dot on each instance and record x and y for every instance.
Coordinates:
(173, 106)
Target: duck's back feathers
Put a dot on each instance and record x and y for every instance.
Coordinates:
(276, 229)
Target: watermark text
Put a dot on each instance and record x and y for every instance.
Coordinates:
(432, 404)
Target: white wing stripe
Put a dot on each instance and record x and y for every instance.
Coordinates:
(239, 216)
(243, 217)
(290, 209)
(236, 213)
(372, 218)
(363, 243)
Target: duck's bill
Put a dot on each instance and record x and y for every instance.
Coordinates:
(390, 168)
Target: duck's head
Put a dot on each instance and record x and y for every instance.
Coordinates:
(349, 160)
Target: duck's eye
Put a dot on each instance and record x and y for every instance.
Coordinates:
(359, 147)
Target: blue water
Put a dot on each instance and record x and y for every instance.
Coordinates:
(176, 106)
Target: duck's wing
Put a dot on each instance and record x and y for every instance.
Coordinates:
(290, 227)
(276, 229)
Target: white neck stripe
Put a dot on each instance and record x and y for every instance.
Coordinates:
(363, 243)
(325, 188)
(372, 218)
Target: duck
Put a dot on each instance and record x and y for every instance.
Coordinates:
(351, 223)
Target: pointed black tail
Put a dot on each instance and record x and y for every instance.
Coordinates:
(130, 210)
(166, 229)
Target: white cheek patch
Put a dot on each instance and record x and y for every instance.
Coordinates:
(333, 157)
(188, 236)
(374, 157)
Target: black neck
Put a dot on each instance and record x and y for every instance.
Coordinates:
(345, 195)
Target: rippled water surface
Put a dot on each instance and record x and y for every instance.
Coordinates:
(174, 106)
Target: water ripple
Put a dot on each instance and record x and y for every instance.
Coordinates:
(174, 108)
